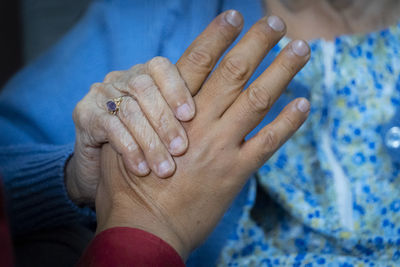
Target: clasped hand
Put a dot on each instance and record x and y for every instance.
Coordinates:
(183, 209)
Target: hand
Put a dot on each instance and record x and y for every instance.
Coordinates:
(184, 209)
(145, 132)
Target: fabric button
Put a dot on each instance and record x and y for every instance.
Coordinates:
(392, 138)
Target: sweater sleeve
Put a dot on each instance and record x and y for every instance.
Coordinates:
(36, 126)
(124, 246)
(35, 190)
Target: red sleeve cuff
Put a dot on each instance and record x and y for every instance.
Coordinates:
(124, 246)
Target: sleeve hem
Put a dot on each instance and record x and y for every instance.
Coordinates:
(36, 193)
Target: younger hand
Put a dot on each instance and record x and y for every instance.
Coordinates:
(184, 209)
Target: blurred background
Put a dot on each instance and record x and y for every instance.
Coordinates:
(29, 27)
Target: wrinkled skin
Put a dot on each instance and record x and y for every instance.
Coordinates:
(142, 134)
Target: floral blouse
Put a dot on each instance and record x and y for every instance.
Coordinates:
(331, 195)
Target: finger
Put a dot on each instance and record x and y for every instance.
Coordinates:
(256, 151)
(113, 76)
(253, 104)
(173, 87)
(96, 126)
(202, 55)
(123, 79)
(156, 154)
(122, 142)
(158, 113)
(228, 80)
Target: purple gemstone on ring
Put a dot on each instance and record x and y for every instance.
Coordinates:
(112, 107)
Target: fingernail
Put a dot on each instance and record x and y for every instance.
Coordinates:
(184, 112)
(177, 145)
(300, 48)
(303, 105)
(276, 23)
(143, 167)
(164, 168)
(233, 18)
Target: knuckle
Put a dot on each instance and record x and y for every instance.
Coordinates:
(262, 157)
(132, 148)
(200, 58)
(137, 67)
(129, 109)
(291, 122)
(287, 69)
(135, 70)
(177, 84)
(270, 141)
(152, 145)
(234, 68)
(164, 123)
(259, 98)
(96, 88)
(141, 83)
(112, 76)
(82, 117)
(226, 34)
(78, 110)
(83, 112)
(83, 108)
(260, 34)
(158, 63)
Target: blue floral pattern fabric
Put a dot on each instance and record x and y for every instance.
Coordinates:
(338, 188)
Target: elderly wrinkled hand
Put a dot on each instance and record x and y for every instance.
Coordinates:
(184, 209)
(137, 111)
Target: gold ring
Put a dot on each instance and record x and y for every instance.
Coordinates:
(113, 105)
